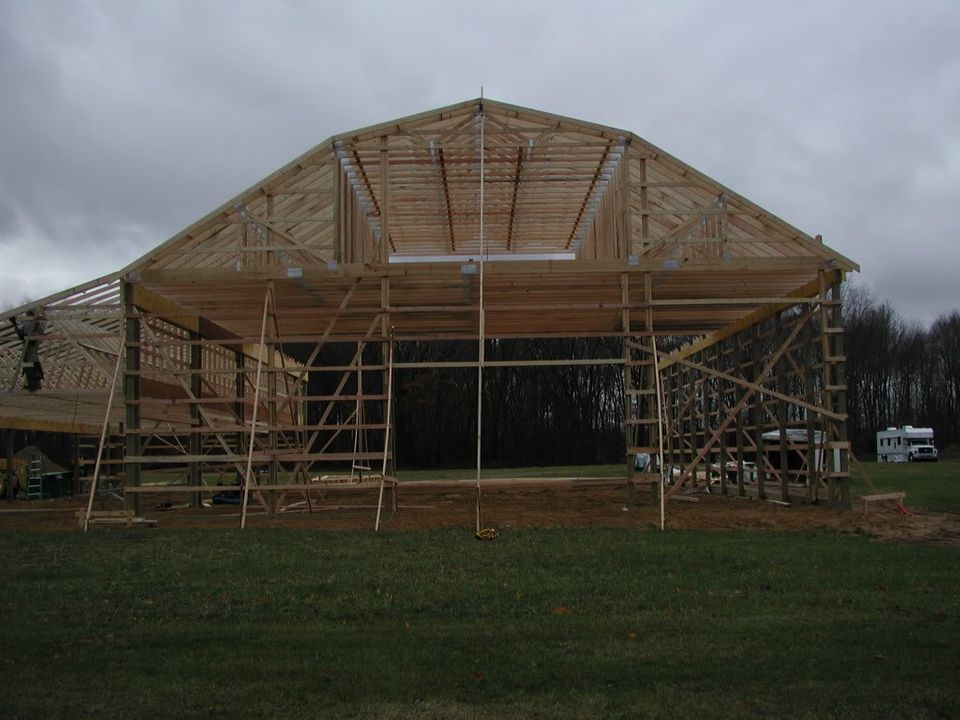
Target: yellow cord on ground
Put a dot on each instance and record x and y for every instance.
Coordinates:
(486, 534)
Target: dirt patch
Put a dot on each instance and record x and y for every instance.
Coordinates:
(522, 508)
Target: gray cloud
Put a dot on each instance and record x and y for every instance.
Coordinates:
(126, 121)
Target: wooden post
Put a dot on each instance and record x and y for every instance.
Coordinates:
(698, 421)
(741, 490)
(195, 442)
(649, 374)
(272, 438)
(840, 378)
(131, 394)
(644, 208)
(624, 221)
(719, 398)
(669, 386)
(383, 252)
(782, 414)
(661, 490)
(809, 394)
(239, 407)
(338, 189)
(757, 414)
(75, 459)
(628, 389)
(8, 452)
(269, 256)
(705, 422)
(386, 352)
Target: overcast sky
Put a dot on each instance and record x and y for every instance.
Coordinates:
(123, 122)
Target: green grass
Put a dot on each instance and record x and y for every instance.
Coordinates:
(294, 623)
(932, 486)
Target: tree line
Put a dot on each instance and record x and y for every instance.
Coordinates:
(899, 372)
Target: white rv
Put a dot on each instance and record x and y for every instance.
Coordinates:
(906, 444)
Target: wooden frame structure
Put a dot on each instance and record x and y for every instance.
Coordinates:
(477, 220)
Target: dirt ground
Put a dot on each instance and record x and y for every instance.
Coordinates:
(520, 508)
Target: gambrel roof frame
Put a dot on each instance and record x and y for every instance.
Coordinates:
(377, 235)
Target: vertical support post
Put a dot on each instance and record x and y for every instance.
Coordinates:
(719, 396)
(131, 394)
(8, 452)
(757, 411)
(809, 358)
(196, 438)
(338, 186)
(680, 423)
(669, 387)
(705, 422)
(644, 209)
(272, 415)
(386, 352)
(782, 412)
(739, 364)
(649, 374)
(658, 397)
(628, 389)
(346, 217)
(826, 352)
(740, 429)
(690, 445)
(239, 409)
(383, 253)
(75, 461)
(359, 434)
(268, 239)
(624, 236)
(840, 382)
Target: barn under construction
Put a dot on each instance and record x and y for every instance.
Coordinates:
(473, 222)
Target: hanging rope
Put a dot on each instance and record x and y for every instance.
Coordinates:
(256, 404)
(482, 331)
(386, 437)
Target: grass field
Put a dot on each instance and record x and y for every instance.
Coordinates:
(932, 486)
(294, 623)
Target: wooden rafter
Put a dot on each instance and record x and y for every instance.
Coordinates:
(586, 198)
(446, 197)
(513, 201)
